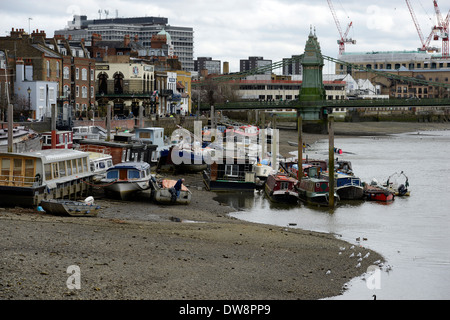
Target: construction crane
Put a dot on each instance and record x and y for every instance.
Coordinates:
(343, 40)
(442, 30)
(425, 43)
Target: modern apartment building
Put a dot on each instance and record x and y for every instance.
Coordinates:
(207, 63)
(141, 28)
(254, 62)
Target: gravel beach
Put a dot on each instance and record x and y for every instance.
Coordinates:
(194, 252)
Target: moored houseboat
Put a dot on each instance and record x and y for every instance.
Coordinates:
(314, 191)
(29, 177)
(23, 139)
(279, 187)
(348, 187)
(100, 163)
(126, 179)
(230, 174)
(64, 140)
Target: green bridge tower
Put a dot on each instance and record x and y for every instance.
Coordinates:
(312, 90)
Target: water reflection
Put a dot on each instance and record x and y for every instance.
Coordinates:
(412, 233)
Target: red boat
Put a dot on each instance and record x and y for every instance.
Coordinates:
(377, 193)
(279, 187)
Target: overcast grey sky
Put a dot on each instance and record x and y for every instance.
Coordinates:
(234, 29)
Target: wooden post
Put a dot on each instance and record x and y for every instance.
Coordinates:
(274, 143)
(300, 147)
(53, 126)
(331, 160)
(10, 127)
(108, 123)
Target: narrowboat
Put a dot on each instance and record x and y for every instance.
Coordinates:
(28, 178)
(314, 191)
(64, 140)
(348, 187)
(279, 187)
(162, 191)
(230, 174)
(126, 179)
(24, 140)
(375, 192)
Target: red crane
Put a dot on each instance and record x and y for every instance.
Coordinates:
(343, 40)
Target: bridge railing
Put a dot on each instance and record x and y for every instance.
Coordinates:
(295, 104)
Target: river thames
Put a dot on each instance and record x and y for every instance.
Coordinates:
(412, 233)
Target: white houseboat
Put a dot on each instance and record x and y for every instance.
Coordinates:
(29, 177)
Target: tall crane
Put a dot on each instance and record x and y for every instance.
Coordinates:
(343, 40)
(425, 42)
(442, 30)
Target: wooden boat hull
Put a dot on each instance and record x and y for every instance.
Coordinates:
(70, 208)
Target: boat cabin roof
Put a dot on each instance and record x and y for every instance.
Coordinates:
(50, 155)
(131, 165)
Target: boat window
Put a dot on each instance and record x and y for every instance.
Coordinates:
(55, 170)
(17, 170)
(144, 135)
(6, 163)
(92, 166)
(79, 166)
(74, 166)
(85, 166)
(110, 163)
(232, 170)
(48, 171)
(29, 171)
(112, 174)
(69, 167)
(62, 169)
(133, 174)
(101, 165)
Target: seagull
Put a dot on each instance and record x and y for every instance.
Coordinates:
(360, 259)
(352, 247)
(358, 239)
(358, 265)
(377, 262)
(367, 255)
(359, 254)
(328, 272)
(352, 255)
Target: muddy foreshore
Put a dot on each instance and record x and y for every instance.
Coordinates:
(206, 256)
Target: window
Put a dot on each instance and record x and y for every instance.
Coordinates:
(92, 74)
(84, 93)
(48, 171)
(48, 69)
(232, 170)
(77, 73)
(57, 69)
(77, 91)
(112, 175)
(92, 92)
(84, 74)
(66, 73)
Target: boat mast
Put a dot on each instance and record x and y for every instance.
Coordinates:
(10, 112)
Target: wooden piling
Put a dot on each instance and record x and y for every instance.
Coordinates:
(300, 147)
(331, 160)
(10, 127)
